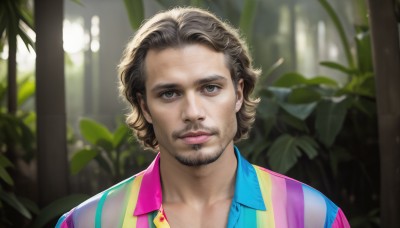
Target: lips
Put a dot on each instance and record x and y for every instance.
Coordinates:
(195, 137)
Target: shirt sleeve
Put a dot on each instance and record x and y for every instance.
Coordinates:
(66, 221)
(340, 220)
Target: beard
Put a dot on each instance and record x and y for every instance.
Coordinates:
(199, 161)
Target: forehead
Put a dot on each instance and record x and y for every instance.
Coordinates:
(185, 63)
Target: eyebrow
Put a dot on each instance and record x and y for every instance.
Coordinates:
(168, 86)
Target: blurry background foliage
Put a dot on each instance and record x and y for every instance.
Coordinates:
(316, 121)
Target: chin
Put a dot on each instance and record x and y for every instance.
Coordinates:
(198, 156)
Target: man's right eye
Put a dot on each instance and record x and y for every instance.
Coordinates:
(168, 95)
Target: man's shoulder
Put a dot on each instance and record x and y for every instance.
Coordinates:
(296, 194)
(290, 183)
(104, 205)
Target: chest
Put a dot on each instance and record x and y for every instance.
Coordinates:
(214, 215)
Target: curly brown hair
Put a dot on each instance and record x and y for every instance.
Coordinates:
(175, 28)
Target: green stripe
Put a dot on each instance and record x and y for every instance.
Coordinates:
(99, 209)
(100, 205)
(151, 217)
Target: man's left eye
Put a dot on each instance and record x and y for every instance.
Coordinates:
(211, 88)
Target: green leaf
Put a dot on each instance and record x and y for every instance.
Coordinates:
(262, 80)
(321, 80)
(6, 177)
(26, 90)
(105, 164)
(289, 80)
(57, 208)
(308, 145)
(30, 205)
(364, 51)
(303, 95)
(283, 153)
(267, 108)
(330, 118)
(367, 106)
(81, 158)
(121, 135)
(26, 15)
(338, 66)
(135, 11)
(27, 40)
(79, 2)
(339, 27)
(300, 111)
(367, 86)
(12, 200)
(247, 17)
(4, 162)
(294, 122)
(124, 155)
(94, 132)
(280, 94)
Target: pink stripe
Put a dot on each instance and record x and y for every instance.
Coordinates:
(279, 200)
(142, 221)
(150, 196)
(340, 220)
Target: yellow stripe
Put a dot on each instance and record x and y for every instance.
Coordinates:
(129, 219)
(160, 221)
(265, 218)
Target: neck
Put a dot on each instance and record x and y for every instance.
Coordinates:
(198, 185)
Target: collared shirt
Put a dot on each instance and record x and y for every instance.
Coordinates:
(262, 198)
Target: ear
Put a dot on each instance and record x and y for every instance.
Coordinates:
(239, 95)
(144, 108)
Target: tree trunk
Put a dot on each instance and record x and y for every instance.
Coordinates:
(50, 101)
(385, 43)
(12, 75)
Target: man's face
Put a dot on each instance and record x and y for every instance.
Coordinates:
(191, 102)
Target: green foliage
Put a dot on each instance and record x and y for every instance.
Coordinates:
(247, 17)
(135, 12)
(17, 135)
(285, 150)
(57, 208)
(110, 150)
(324, 133)
(15, 15)
(11, 199)
(4, 175)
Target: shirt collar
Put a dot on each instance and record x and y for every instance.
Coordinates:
(247, 188)
(150, 194)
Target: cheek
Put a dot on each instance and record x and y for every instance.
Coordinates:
(163, 123)
(227, 112)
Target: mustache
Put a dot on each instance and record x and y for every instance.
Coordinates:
(194, 127)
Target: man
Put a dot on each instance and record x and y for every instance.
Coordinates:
(188, 77)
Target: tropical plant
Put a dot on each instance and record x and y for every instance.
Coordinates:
(16, 18)
(112, 151)
(16, 131)
(16, 128)
(318, 131)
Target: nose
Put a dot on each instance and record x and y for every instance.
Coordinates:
(192, 109)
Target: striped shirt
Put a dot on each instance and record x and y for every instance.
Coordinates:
(262, 198)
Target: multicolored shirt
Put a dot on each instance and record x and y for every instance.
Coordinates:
(262, 198)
